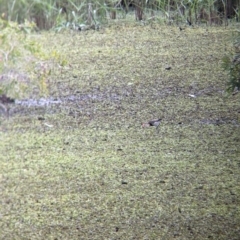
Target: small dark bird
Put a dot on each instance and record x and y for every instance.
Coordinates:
(5, 101)
(154, 123)
(188, 22)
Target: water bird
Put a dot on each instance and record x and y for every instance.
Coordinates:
(189, 22)
(152, 123)
(5, 102)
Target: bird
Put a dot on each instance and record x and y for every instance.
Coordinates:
(189, 22)
(4, 103)
(4, 99)
(152, 123)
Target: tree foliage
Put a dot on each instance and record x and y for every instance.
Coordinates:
(24, 64)
(231, 63)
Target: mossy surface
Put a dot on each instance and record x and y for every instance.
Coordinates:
(85, 169)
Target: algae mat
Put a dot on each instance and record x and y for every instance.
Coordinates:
(81, 167)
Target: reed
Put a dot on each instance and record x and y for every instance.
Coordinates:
(49, 14)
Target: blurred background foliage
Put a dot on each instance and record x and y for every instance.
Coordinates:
(54, 13)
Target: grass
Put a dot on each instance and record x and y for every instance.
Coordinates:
(89, 171)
